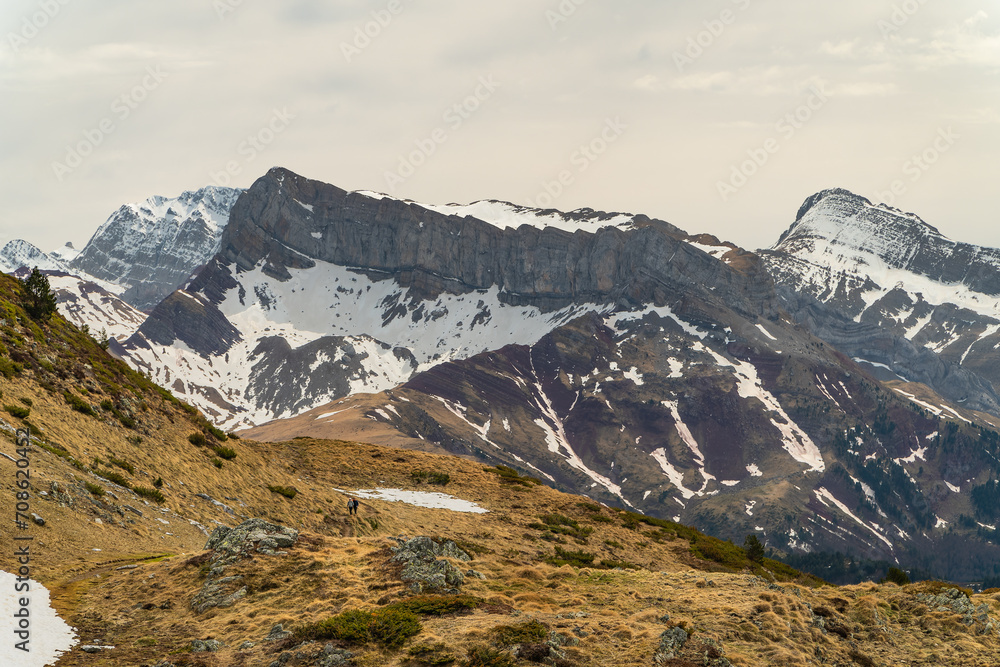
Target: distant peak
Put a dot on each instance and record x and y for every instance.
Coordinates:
(812, 201)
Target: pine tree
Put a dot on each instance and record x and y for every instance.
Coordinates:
(753, 548)
(39, 301)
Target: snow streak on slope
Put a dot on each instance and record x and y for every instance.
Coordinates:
(380, 322)
(828, 499)
(557, 441)
(795, 441)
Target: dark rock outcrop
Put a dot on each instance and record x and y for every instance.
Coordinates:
(422, 570)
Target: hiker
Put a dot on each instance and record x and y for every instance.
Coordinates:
(352, 506)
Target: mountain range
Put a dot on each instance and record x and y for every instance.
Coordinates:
(834, 392)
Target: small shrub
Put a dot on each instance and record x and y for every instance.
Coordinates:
(218, 434)
(135, 439)
(510, 476)
(107, 404)
(390, 627)
(436, 655)
(158, 484)
(217, 463)
(233, 436)
(439, 478)
(522, 633)
(286, 491)
(349, 626)
(17, 411)
(574, 558)
(197, 439)
(437, 605)
(10, 369)
(123, 464)
(897, 576)
(152, 494)
(78, 404)
(113, 476)
(27, 401)
(95, 489)
(227, 453)
(485, 656)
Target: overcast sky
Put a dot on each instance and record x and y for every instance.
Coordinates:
(719, 116)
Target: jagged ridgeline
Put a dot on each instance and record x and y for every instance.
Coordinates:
(610, 354)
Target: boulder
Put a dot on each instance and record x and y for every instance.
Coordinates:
(423, 571)
(671, 642)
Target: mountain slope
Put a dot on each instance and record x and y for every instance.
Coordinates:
(151, 248)
(541, 573)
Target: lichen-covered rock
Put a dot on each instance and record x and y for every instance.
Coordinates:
(955, 601)
(219, 593)
(423, 571)
(671, 642)
(328, 656)
(277, 633)
(205, 646)
(254, 536)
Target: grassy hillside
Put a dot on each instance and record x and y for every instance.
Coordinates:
(552, 576)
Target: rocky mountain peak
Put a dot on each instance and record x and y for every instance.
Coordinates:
(19, 254)
(152, 247)
(851, 227)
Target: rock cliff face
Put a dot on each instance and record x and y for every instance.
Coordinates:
(894, 288)
(151, 248)
(286, 222)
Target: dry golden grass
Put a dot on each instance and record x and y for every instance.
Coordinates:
(339, 562)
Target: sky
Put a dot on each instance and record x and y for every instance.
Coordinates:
(719, 116)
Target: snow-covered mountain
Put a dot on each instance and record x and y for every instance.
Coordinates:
(19, 254)
(611, 353)
(291, 331)
(907, 288)
(151, 248)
